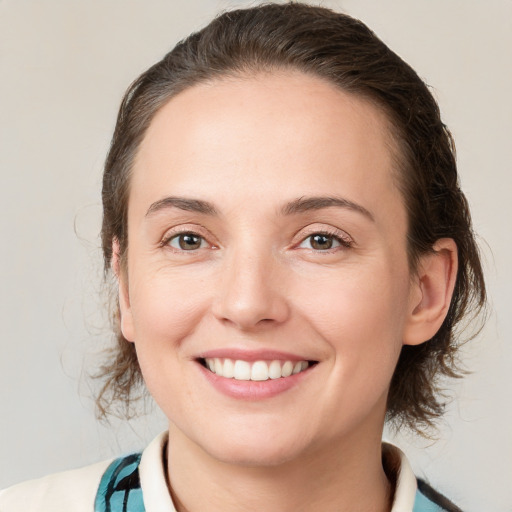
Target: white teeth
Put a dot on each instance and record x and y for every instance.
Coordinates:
(259, 371)
(274, 370)
(256, 371)
(228, 370)
(242, 370)
(287, 369)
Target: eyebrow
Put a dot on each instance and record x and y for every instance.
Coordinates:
(305, 204)
(182, 203)
(300, 205)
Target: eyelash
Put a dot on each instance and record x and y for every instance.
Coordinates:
(343, 241)
(166, 241)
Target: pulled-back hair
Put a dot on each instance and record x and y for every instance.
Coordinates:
(344, 52)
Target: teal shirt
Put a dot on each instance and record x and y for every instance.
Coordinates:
(423, 504)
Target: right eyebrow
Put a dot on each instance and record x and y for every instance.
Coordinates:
(304, 204)
(182, 203)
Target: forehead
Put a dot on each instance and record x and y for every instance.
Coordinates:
(276, 133)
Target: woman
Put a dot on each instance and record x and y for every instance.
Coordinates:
(293, 252)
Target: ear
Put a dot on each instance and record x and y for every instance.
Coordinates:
(431, 292)
(125, 311)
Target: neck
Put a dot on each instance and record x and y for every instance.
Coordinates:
(342, 476)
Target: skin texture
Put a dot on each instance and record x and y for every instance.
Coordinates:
(253, 147)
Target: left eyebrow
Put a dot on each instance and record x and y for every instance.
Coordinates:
(182, 203)
(304, 204)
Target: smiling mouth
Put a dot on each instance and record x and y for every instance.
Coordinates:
(239, 369)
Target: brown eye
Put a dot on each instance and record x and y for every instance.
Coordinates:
(187, 242)
(321, 242)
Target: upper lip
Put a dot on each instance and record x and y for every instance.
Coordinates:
(251, 355)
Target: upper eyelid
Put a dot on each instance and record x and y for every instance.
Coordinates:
(186, 228)
(195, 229)
(168, 242)
(299, 236)
(325, 229)
(343, 243)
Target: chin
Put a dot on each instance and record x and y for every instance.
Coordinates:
(264, 449)
(255, 456)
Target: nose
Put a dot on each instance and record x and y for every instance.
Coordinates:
(251, 292)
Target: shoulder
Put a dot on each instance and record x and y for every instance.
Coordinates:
(109, 485)
(70, 491)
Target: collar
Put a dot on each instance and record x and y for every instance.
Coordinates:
(153, 481)
(157, 498)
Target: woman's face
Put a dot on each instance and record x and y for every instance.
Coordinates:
(267, 236)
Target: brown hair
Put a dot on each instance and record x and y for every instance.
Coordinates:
(343, 51)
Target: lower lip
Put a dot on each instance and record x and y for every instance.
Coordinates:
(250, 389)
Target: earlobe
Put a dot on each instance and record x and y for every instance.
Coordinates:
(125, 311)
(432, 292)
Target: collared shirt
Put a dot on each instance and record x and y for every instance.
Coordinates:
(137, 483)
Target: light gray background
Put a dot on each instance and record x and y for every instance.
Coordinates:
(64, 66)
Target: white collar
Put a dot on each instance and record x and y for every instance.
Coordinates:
(406, 484)
(158, 499)
(153, 482)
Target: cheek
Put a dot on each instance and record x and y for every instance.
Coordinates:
(357, 300)
(361, 315)
(166, 306)
(167, 309)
